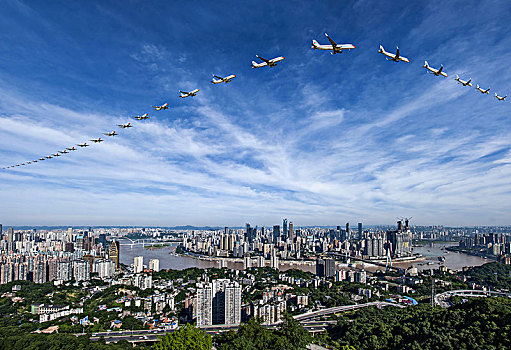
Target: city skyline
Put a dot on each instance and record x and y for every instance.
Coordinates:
(319, 139)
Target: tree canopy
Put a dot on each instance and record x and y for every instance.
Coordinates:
(185, 338)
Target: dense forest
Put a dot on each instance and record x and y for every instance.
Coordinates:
(480, 323)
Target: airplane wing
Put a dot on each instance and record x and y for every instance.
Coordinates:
(397, 52)
(334, 44)
(216, 76)
(263, 59)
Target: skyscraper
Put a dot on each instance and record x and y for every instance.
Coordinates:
(154, 264)
(114, 253)
(325, 267)
(276, 233)
(359, 230)
(291, 232)
(138, 264)
(348, 232)
(218, 302)
(284, 228)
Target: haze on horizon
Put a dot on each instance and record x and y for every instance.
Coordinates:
(320, 139)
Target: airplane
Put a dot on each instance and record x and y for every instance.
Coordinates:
(17, 165)
(434, 71)
(49, 157)
(42, 158)
(226, 80)
(98, 140)
(464, 83)
(124, 126)
(71, 149)
(142, 117)
(272, 63)
(29, 162)
(34, 161)
(391, 56)
(500, 98)
(482, 90)
(113, 133)
(56, 155)
(334, 47)
(83, 144)
(64, 151)
(186, 94)
(162, 107)
(22, 163)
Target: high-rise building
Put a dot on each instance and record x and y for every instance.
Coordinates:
(70, 234)
(81, 270)
(276, 233)
(400, 240)
(204, 304)
(138, 264)
(325, 267)
(284, 228)
(291, 232)
(359, 230)
(348, 232)
(114, 253)
(154, 264)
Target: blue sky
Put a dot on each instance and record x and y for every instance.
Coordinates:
(320, 139)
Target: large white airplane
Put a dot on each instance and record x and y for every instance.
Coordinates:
(190, 93)
(500, 98)
(487, 91)
(162, 107)
(334, 47)
(434, 71)
(393, 57)
(112, 133)
(142, 117)
(226, 80)
(124, 126)
(464, 83)
(272, 63)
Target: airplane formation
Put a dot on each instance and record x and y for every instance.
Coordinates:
(333, 47)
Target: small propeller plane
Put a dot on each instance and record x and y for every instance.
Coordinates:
(487, 91)
(187, 94)
(334, 47)
(226, 80)
(462, 82)
(71, 148)
(98, 140)
(112, 133)
(42, 158)
(64, 151)
(434, 71)
(83, 144)
(49, 157)
(35, 161)
(56, 155)
(29, 162)
(124, 126)
(500, 98)
(162, 107)
(393, 57)
(272, 63)
(142, 117)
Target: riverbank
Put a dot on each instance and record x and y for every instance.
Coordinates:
(469, 252)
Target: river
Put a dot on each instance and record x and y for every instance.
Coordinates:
(455, 261)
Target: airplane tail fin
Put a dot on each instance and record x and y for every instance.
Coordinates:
(381, 49)
(469, 80)
(457, 77)
(315, 44)
(426, 64)
(254, 64)
(477, 86)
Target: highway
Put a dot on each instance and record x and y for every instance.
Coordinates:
(442, 299)
(307, 321)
